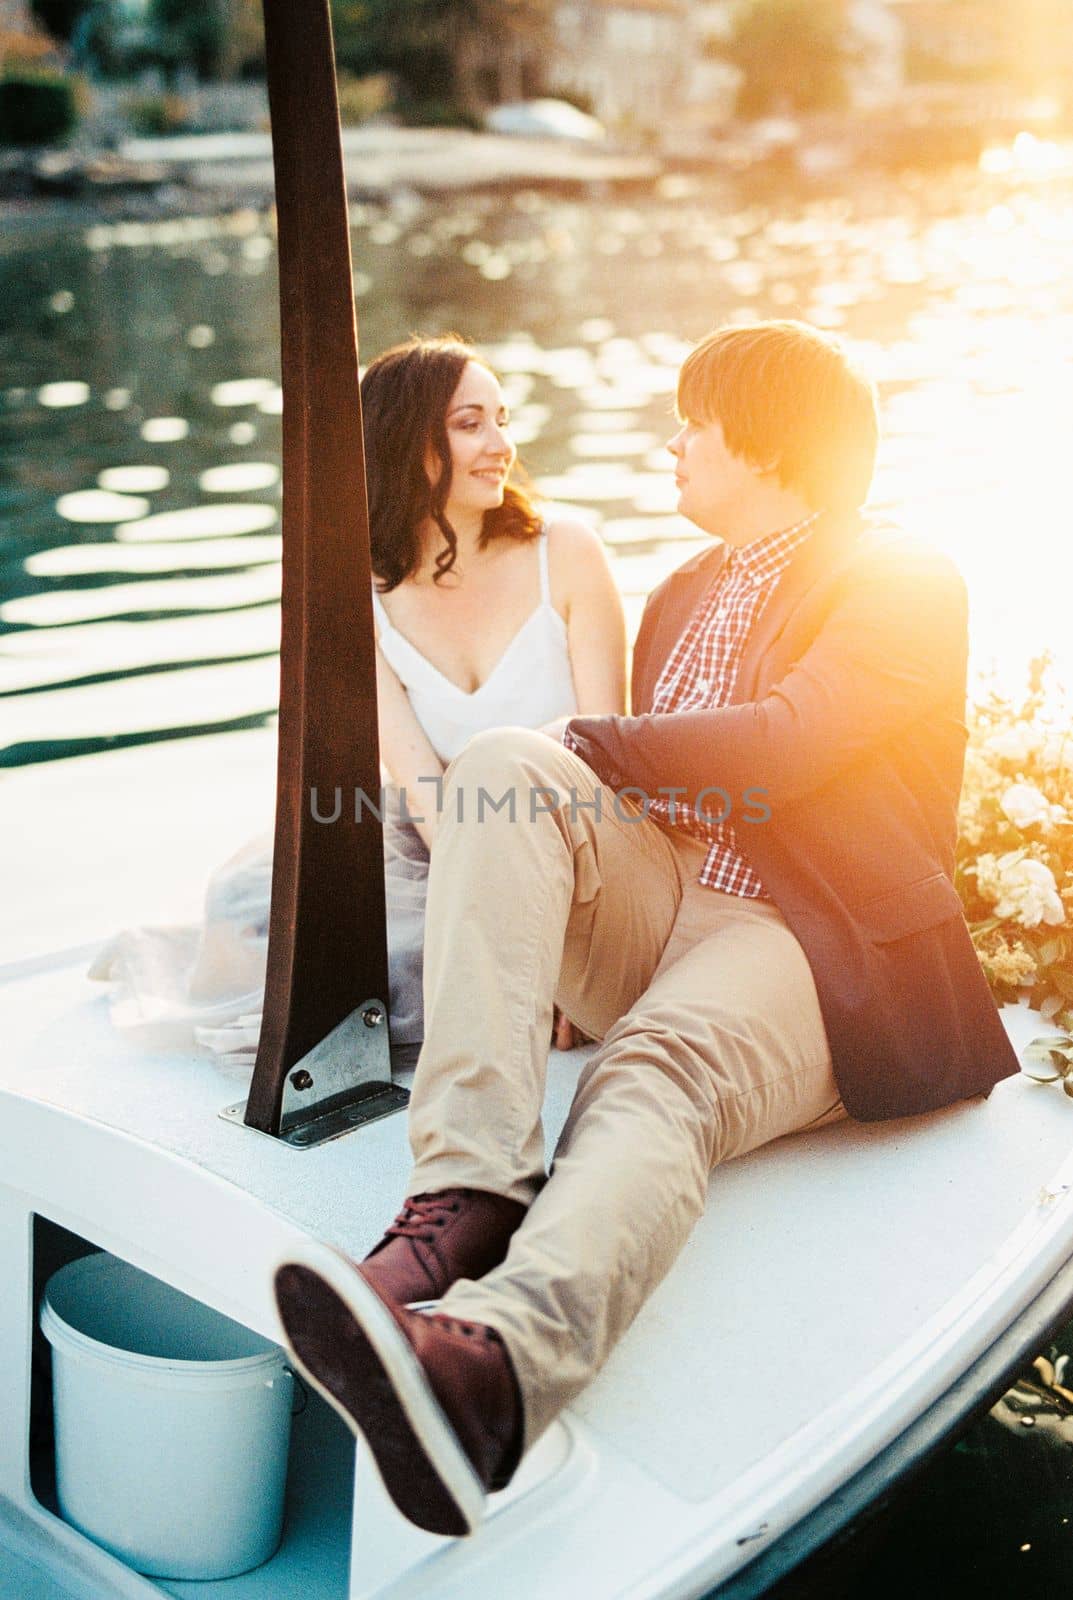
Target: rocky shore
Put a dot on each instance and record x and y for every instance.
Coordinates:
(215, 171)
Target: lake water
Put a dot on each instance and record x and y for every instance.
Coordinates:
(140, 409)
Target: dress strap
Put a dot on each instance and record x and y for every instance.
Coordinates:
(545, 575)
(380, 612)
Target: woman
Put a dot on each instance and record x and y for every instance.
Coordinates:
(485, 616)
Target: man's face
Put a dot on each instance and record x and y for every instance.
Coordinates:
(716, 489)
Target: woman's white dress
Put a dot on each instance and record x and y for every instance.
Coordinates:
(206, 984)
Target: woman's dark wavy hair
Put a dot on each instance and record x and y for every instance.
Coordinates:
(404, 397)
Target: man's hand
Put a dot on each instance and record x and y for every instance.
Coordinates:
(564, 1035)
(556, 729)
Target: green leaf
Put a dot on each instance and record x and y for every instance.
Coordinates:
(1045, 1060)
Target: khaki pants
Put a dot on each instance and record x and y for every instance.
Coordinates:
(711, 1043)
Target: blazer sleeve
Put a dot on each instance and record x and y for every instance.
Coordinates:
(893, 646)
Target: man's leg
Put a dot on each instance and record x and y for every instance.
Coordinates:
(536, 870)
(724, 1051)
(573, 882)
(516, 894)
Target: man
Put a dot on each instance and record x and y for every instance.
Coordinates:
(744, 891)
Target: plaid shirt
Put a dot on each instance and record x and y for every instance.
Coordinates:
(700, 673)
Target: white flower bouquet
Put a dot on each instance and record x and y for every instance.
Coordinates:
(1015, 850)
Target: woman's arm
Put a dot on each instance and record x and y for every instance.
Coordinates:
(405, 750)
(585, 594)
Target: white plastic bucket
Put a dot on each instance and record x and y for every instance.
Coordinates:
(172, 1423)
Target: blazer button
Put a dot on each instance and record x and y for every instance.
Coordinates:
(616, 780)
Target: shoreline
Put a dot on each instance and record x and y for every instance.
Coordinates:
(190, 174)
(210, 173)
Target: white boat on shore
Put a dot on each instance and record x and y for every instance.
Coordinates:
(849, 1300)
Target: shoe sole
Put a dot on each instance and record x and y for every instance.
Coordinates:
(347, 1344)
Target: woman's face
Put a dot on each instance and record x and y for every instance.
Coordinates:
(482, 450)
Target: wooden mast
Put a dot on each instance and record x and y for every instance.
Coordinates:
(327, 952)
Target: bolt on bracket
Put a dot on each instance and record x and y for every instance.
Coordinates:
(341, 1084)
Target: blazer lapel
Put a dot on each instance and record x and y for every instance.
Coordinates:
(684, 589)
(812, 562)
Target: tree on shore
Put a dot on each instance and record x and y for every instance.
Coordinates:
(60, 18)
(243, 53)
(189, 33)
(794, 55)
(451, 52)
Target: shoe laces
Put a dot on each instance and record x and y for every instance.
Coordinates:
(420, 1217)
(470, 1330)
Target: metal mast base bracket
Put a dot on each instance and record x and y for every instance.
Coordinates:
(341, 1084)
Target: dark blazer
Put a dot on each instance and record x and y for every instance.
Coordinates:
(848, 710)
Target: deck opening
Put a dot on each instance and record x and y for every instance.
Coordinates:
(314, 1556)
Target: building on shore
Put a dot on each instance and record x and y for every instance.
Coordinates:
(877, 71)
(628, 61)
(1025, 46)
(657, 65)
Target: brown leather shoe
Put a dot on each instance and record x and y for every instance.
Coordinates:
(438, 1238)
(435, 1398)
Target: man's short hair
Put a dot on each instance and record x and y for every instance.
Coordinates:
(789, 401)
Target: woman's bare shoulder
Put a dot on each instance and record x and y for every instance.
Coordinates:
(577, 563)
(574, 546)
(568, 531)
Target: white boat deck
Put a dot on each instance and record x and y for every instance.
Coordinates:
(838, 1283)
